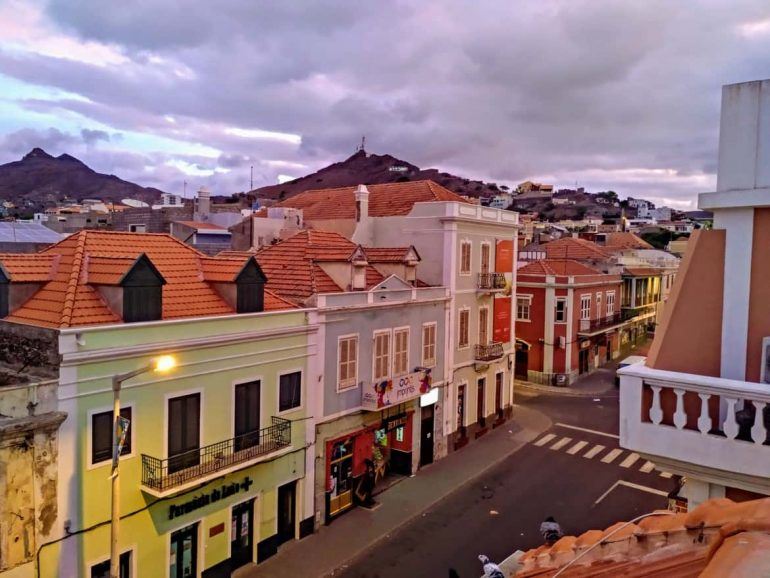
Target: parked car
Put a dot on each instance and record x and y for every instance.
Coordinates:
(630, 360)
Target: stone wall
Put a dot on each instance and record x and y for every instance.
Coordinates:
(27, 353)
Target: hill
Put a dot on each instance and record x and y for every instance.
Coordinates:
(40, 179)
(371, 169)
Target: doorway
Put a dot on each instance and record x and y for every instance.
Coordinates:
(426, 436)
(242, 535)
(183, 561)
(480, 393)
(499, 394)
(184, 414)
(583, 361)
(522, 360)
(287, 509)
(247, 401)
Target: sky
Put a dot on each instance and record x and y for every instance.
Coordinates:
(604, 94)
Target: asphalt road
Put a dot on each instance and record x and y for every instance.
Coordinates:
(501, 512)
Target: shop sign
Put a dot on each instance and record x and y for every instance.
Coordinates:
(585, 344)
(393, 422)
(220, 493)
(389, 392)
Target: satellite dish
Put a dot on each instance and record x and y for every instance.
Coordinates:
(137, 204)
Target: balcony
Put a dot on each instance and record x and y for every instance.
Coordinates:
(488, 352)
(590, 327)
(638, 313)
(491, 282)
(694, 422)
(161, 477)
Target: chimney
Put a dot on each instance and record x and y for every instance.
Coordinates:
(204, 205)
(362, 203)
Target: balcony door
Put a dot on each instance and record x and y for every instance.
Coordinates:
(480, 396)
(247, 408)
(483, 326)
(242, 535)
(485, 257)
(184, 415)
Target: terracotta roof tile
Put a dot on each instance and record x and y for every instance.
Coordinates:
(625, 240)
(26, 268)
(641, 271)
(90, 258)
(564, 267)
(388, 254)
(385, 200)
(572, 248)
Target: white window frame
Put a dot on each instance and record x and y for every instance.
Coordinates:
(375, 335)
(351, 382)
(528, 299)
(133, 226)
(89, 437)
(585, 307)
(429, 361)
(487, 333)
(466, 243)
(599, 304)
(556, 310)
(467, 326)
(610, 303)
(396, 331)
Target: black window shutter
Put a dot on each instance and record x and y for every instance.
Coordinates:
(290, 391)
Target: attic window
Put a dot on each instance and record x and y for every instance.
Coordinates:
(250, 288)
(142, 292)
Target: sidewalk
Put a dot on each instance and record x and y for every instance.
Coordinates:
(351, 535)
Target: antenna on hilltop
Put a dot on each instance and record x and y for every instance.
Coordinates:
(363, 144)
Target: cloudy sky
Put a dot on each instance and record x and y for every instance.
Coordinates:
(606, 94)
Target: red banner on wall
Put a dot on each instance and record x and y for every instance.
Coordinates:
(501, 322)
(504, 257)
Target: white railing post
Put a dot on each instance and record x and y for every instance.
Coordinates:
(758, 431)
(656, 413)
(730, 426)
(704, 420)
(680, 417)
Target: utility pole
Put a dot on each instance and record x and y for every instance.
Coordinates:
(251, 186)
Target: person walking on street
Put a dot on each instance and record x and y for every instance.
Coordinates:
(551, 531)
(491, 570)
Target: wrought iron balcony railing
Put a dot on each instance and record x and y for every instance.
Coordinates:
(595, 325)
(161, 475)
(491, 281)
(488, 352)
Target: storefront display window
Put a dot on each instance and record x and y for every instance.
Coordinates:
(340, 476)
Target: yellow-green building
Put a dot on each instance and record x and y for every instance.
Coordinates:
(217, 466)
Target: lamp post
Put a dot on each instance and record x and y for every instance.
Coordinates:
(161, 364)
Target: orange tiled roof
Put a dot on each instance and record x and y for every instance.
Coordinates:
(201, 225)
(718, 538)
(292, 268)
(567, 267)
(625, 240)
(572, 248)
(82, 261)
(385, 200)
(387, 254)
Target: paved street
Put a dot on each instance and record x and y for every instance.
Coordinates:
(582, 478)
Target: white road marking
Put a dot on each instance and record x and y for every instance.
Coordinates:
(647, 467)
(629, 461)
(633, 486)
(576, 448)
(591, 431)
(610, 457)
(665, 475)
(590, 454)
(561, 443)
(545, 439)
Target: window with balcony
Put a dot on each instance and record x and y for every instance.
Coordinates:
(401, 351)
(381, 355)
(486, 255)
(523, 307)
(101, 435)
(465, 258)
(610, 303)
(463, 339)
(247, 414)
(184, 414)
(429, 345)
(585, 307)
(290, 391)
(347, 355)
(560, 315)
(483, 325)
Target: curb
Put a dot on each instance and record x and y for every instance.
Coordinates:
(418, 512)
(563, 391)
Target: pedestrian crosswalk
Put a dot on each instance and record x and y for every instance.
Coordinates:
(589, 450)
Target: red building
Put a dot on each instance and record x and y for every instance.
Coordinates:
(567, 320)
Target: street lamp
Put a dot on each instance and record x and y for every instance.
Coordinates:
(162, 364)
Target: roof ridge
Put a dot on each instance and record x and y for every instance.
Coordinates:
(72, 283)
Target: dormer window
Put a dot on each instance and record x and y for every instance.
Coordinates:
(250, 288)
(142, 292)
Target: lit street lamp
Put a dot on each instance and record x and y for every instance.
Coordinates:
(162, 364)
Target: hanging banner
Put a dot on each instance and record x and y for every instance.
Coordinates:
(121, 431)
(501, 321)
(504, 257)
(388, 392)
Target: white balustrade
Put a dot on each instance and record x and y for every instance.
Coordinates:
(730, 427)
(680, 417)
(758, 431)
(656, 412)
(704, 420)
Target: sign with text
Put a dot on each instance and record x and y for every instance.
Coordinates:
(389, 392)
(501, 322)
